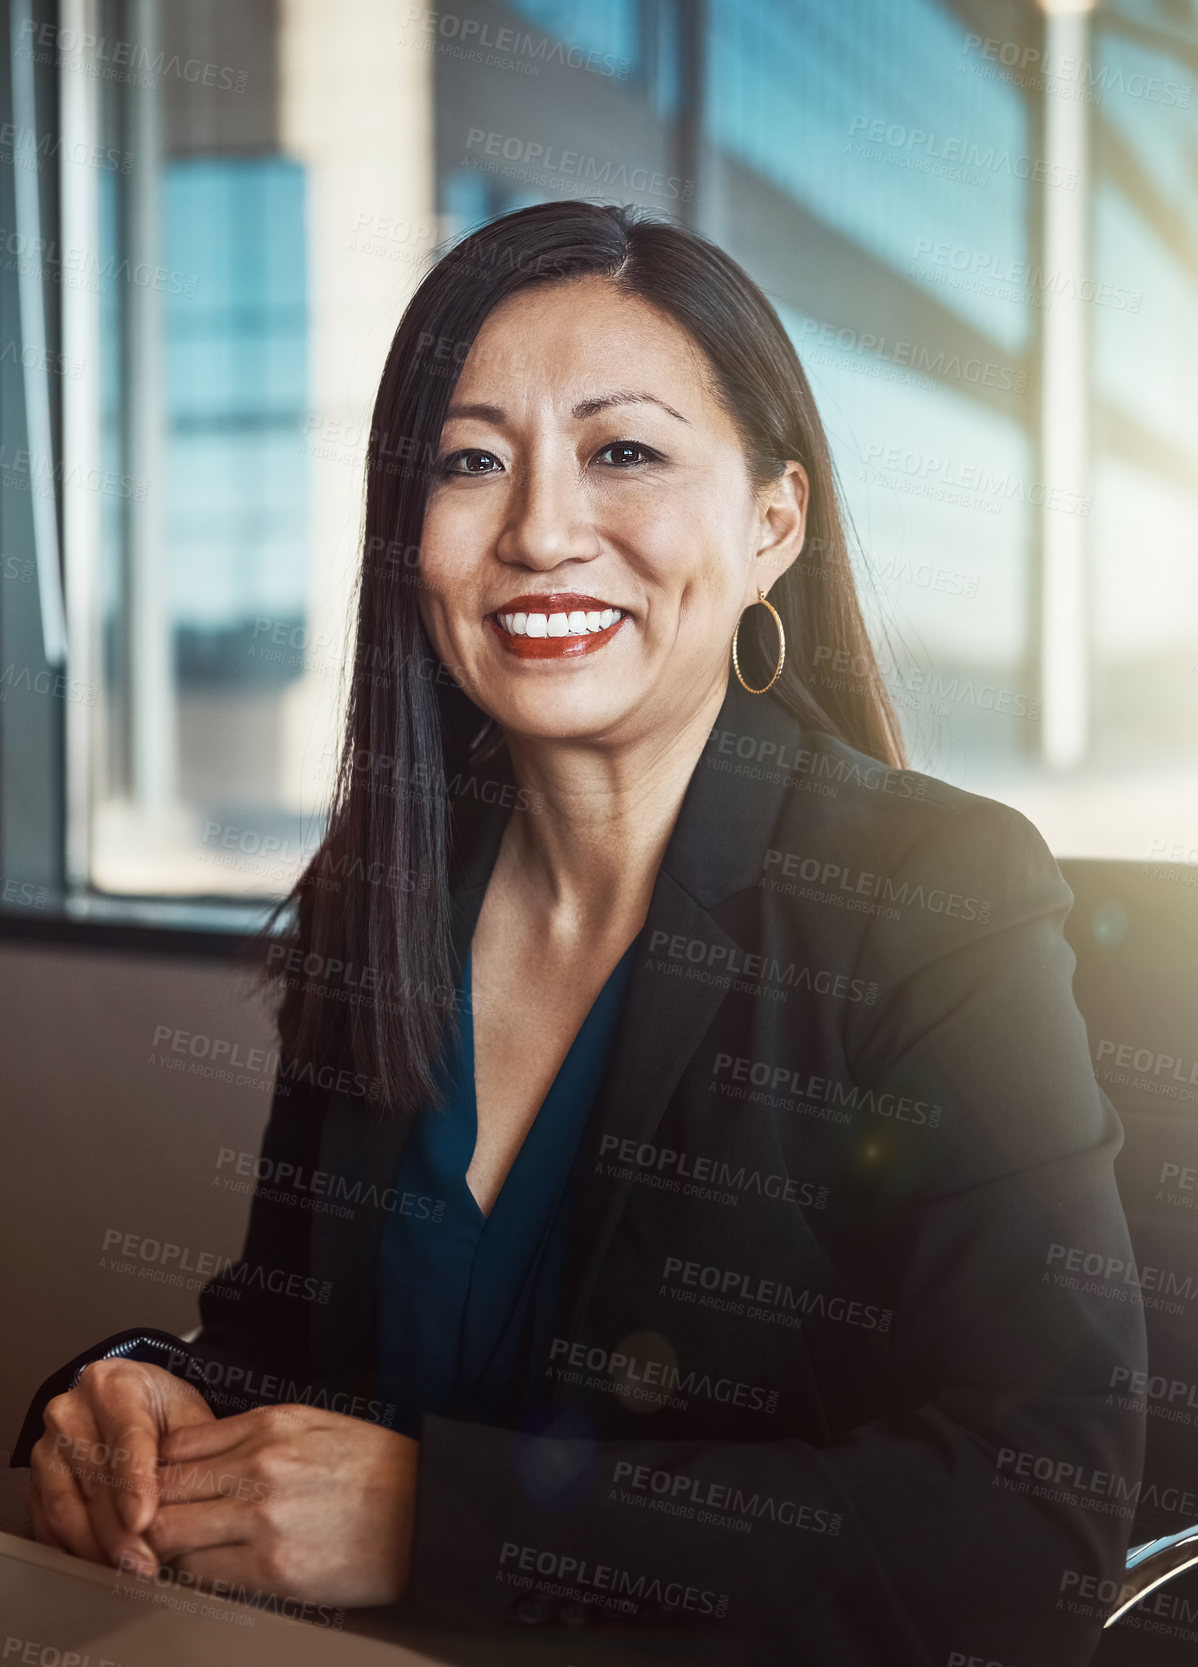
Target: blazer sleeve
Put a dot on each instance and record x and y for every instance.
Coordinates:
(253, 1335)
(1003, 1472)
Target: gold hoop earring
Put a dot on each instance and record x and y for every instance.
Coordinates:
(761, 597)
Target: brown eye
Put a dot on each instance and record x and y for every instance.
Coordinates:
(458, 462)
(642, 454)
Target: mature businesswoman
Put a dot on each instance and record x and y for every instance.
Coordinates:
(703, 1246)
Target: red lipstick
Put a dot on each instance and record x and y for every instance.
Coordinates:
(526, 647)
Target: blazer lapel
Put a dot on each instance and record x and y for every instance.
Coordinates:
(362, 1151)
(716, 848)
(662, 1028)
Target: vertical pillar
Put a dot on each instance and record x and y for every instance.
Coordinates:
(1065, 382)
(151, 667)
(356, 108)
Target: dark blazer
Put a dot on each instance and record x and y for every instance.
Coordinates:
(832, 1377)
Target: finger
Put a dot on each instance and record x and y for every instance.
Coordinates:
(181, 1482)
(85, 1543)
(236, 1565)
(42, 1532)
(178, 1530)
(62, 1508)
(179, 1406)
(207, 1440)
(119, 1545)
(128, 1423)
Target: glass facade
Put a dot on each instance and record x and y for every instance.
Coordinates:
(900, 184)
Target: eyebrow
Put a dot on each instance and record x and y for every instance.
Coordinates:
(585, 407)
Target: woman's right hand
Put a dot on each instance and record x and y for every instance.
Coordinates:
(94, 1485)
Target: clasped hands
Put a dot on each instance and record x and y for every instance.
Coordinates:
(135, 1470)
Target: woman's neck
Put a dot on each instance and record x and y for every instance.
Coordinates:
(588, 854)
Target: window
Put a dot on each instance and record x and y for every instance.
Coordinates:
(982, 248)
(251, 262)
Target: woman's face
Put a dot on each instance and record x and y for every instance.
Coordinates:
(591, 533)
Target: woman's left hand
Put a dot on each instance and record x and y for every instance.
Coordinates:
(289, 1500)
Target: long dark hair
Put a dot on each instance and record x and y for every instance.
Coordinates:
(370, 913)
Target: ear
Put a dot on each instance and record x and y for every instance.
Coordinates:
(783, 529)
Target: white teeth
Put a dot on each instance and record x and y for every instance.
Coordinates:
(576, 624)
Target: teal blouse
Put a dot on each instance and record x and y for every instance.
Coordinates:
(465, 1300)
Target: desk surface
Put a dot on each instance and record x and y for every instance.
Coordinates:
(97, 1617)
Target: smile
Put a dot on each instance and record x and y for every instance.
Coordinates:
(561, 624)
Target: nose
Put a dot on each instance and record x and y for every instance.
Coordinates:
(549, 518)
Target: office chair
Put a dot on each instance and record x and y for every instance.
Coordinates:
(1134, 930)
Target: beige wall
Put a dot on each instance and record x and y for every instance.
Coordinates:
(99, 1135)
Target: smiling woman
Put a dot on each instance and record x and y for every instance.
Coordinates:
(704, 1265)
(628, 412)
